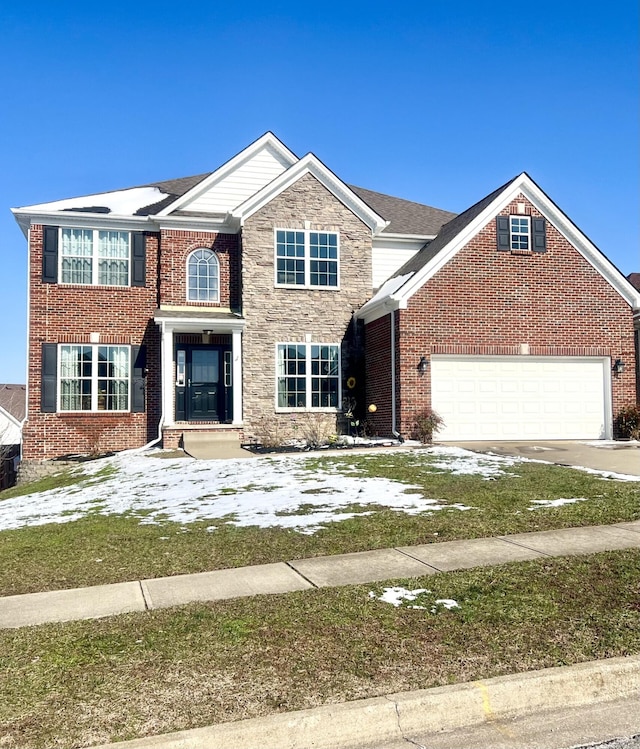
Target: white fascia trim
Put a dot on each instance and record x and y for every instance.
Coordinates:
(198, 324)
(27, 219)
(217, 223)
(525, 186)
(582, 244)
(310, 164)
(12, 419)
(268, 139)
(424, 238)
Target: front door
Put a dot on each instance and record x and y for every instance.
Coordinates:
(203, 384)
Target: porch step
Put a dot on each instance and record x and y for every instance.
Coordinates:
(213, 445)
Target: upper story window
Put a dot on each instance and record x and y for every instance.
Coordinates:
(307, 258)
(519, 231)
(203, 274)
(95, 256)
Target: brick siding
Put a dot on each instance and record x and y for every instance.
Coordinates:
(68, 313)
(175, 248)
(486, 302)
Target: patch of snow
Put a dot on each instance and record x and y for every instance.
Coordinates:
(560, 502)
(266, 492)
(397, 595)
(467, 463)
(120, 202)
(269, 491)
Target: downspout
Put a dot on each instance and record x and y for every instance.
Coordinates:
(394, 431)
(155, 441)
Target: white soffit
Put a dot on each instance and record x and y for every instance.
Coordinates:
(238, 179)
(310, 164)
(524, 185)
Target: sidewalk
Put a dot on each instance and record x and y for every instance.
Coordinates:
(300, 574)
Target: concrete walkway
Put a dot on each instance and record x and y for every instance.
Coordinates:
(301, 574)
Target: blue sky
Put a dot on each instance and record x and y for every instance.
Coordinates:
(437, 102)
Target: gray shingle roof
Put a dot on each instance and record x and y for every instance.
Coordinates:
(13, 398)
(447, 233)
(405, 216)
(175, 188)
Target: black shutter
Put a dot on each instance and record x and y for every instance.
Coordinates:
(138, 369)
(48, 394)
(503, 233)
(138, 259)
(50, 255)
(539, 234)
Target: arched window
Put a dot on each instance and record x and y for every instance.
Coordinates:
(203, 274)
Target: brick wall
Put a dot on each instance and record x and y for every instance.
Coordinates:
(287, 315)
(175, 248)
(489, 302)
(378, 373)
(69, 314)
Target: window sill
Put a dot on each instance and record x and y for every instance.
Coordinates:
(306, 288)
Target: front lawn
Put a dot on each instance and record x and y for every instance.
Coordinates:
(91, 682)
(132, 517)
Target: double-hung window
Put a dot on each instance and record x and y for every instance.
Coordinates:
(94, 378)
(308, 376)
(521, 234)
(307, 258)
(95, 257)
(519, 227)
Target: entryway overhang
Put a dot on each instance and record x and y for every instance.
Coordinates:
(212, 322)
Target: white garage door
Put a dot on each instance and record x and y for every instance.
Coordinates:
(522, 398)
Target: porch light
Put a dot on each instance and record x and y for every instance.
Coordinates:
(423, 364)
(618, 367)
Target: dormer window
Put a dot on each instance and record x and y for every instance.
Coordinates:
(203, 274)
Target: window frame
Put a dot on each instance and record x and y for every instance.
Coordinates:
(94, 257)
(309, 377)
(307, 259)
(513, 235)
(93, 378)
(215, 257)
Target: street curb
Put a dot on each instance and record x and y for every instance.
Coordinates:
(402, 715)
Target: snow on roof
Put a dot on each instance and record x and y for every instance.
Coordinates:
(121, 202)
(388, 288)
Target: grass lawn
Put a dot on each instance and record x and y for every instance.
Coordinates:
(85, 683)
(145, 540)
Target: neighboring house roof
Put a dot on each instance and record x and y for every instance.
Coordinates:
(634, 280)
(454, 235)
(13, 400)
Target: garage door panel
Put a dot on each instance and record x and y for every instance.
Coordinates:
(519, 398)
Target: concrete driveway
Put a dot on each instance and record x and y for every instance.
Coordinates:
(602, 455)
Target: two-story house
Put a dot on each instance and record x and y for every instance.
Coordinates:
(251, 294)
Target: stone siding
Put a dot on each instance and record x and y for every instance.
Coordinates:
(278, 315)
